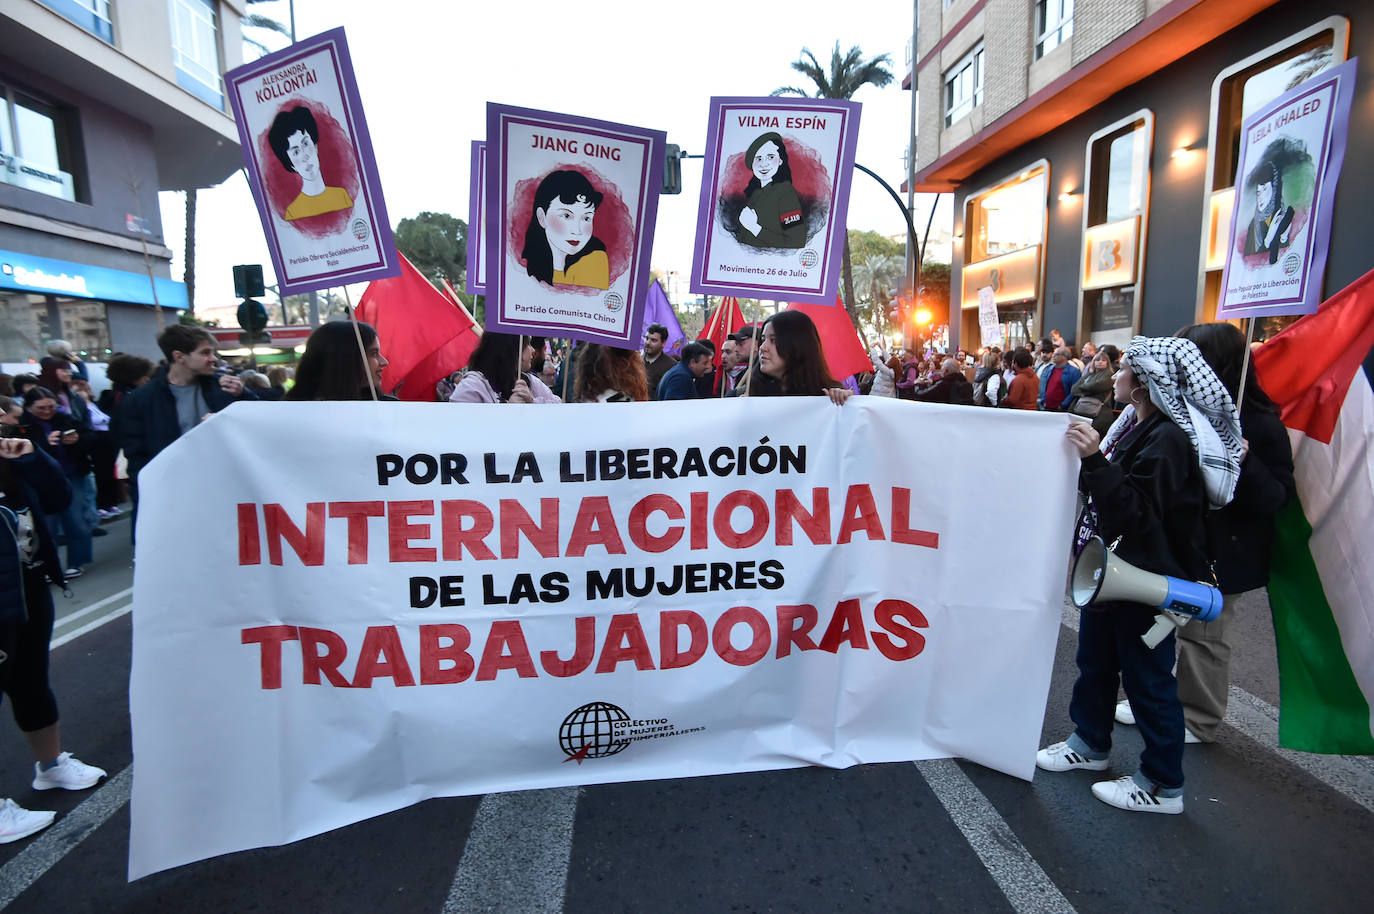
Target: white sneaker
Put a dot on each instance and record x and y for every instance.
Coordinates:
(1059, 757)
(1125, 793)
(1190, 737)
(69, 773)
(17, 822)
(1124, 714)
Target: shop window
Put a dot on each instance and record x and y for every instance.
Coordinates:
(195, 50)
(1115, 211)
(964, 85)
(1053, 25)
(1239, 91)
(36, 146)
(91, 15)
(1004, 234)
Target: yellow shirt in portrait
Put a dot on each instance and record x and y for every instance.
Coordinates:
(330, 200)
(593, 271)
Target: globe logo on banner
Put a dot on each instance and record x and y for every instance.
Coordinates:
(589, 732)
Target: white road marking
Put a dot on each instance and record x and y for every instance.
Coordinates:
(1350, 776)
(1027, 887)
(82, 613)
(90, 626)
(29, 865)
(516, 857)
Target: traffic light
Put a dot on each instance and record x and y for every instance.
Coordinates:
(248, 280)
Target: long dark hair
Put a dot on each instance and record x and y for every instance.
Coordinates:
(1223, 346)
(798, 344)
(332, 368)
(602, 368)
(48, 378)
(570, 187)
(784, 172)
(498, 357)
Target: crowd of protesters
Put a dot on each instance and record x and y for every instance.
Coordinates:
(68, 459)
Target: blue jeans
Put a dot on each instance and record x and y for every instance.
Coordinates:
(1110, 652)
(73, 523)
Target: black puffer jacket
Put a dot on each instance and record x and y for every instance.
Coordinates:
(1151, 495)
(1241, 535)
(32, 484)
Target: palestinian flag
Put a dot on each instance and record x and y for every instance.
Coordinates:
(1321, 584)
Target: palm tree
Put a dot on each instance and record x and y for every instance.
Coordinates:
(847, 75)
(875, 276)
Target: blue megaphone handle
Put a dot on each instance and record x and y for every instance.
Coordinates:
(1201, 601)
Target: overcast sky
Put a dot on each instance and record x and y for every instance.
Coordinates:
(426, 72)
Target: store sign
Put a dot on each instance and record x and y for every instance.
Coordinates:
(26, 273)
(16, 171)
(1109, 254)
(1012, 277)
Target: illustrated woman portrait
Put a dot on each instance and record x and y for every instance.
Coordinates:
(772, 213)
(1269, 230)
(294, 137)
(560, 248)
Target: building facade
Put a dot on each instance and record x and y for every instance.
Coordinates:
(103, 103)
(1065, 128)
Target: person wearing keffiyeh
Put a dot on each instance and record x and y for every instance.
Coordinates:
(1173, 454)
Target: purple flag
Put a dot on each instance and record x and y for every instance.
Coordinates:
(660, 311)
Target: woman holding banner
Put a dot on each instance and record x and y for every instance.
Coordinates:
(790, 353)
(333, 368)
(607, 374)
(491, 375)
(1175, 450)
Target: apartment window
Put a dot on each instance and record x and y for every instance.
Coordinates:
(35, 146)
(1053, 25)
(91, 15)
(195, 50)
(1239, 91)
(964, 85)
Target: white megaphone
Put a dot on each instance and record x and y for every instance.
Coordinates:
(1099, 574)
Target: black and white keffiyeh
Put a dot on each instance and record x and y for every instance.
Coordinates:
(1186, 389)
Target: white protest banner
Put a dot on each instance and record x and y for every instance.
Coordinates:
(416, 600)
(570, 210)
(775, 198)
(311, 167)
(987, 318)
(1291, 152)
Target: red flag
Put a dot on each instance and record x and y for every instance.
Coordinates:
(423, 336)
(724, 321)
(844, 351)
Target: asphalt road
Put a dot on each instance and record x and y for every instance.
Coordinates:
(1264, 830)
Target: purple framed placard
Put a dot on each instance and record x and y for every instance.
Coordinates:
(1291, 152)
(477, 221)
(571, 204)
(310, 166)
(772, 215)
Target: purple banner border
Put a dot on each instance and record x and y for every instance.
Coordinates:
(477, 251)
(646, 215)
(388, 264)
(1324, 196)
(838, 219)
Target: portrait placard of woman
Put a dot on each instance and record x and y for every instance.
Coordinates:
(295, 139)
(772, 213)
(560, 245)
